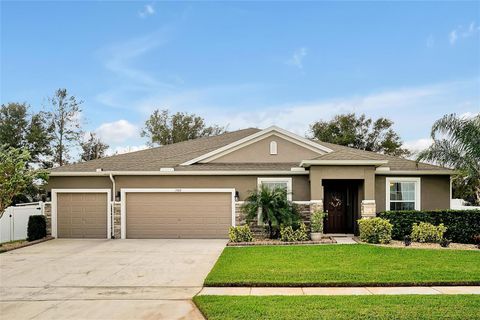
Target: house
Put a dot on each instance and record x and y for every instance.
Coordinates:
(194, 189)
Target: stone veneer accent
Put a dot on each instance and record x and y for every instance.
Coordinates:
(116, 211)
(304, 208)
(47, 211)
(368, 209)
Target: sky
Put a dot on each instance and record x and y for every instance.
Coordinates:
(244, 64)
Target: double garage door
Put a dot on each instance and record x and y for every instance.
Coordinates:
(147, 215)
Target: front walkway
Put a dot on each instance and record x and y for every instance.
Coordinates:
(332, 291)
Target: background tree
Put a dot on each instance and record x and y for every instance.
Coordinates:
(15, 174)
(361, 133)
(93, 148)
(65, 120)
(21, 129)
(276, 210)
(456, 144)
(162, 128)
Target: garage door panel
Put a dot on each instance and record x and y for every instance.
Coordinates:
(82, 215)
(178, 215)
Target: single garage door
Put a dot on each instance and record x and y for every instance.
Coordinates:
(82, 215)
(153, 215)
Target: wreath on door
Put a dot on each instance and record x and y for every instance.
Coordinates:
(336, 202)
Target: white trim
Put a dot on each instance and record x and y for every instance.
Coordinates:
(54, 207)
(260, 135)
(124, 191)
(179, 173)
(308, 163)
(414, 172)
(260, 180)
(418, 193)
(273, 148)
(288, 180)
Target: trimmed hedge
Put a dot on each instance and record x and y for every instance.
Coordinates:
(462, 225)
(37, 228)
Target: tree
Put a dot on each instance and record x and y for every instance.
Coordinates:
(19, 128)
(276, 210)
(15, 175)
(456, 144)
(93, 148)
(360, 133)
(65, 119)
(162, 128)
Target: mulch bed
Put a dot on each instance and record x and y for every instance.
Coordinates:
(270, 242)
(418, 245)
(9, 246)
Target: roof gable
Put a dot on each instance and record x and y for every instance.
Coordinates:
(258, 136)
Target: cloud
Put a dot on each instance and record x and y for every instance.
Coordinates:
(417, 145)
(297, 58)
(148, 10)
(117, 132)
(125, 149)
(462, 32)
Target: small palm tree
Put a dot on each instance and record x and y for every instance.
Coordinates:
(274, 208)
(456, 144)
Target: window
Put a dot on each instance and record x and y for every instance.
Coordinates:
(273, 183)
(403, 194)
(273, 147)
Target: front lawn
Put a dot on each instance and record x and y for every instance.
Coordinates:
(343, 265)
(340, 307)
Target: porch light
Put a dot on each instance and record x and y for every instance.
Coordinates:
(118, 196)
(49, 196)
(237, 196)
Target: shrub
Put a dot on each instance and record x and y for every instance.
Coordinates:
(462, 225)
(375, 230)
(427, 232)
(37, 227)
(240, 234)
(445, 243)
(316, 221)
(287, 234)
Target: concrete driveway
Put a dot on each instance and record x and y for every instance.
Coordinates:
(105, 279)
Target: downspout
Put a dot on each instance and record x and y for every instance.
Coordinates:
(112, 230)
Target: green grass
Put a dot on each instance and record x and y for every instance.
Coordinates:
(343, 265)
(340, 307)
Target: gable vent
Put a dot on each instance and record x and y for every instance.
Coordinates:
(273, 148)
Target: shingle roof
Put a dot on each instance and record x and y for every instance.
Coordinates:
(159, 157)
(394, 163)
(173, 155)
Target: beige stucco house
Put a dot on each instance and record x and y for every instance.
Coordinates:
(194, 189)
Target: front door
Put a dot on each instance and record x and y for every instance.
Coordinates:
(336, 208)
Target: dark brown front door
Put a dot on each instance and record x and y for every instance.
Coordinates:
(336, 207)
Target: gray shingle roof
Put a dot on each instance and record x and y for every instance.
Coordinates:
(173, 155)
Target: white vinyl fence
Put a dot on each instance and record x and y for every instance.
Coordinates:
(14, 222)
(460, 204)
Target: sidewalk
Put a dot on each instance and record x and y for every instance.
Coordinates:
(331, 291)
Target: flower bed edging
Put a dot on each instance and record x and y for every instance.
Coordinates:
(26, 244)
(328, 240)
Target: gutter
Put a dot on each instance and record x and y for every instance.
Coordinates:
(176, 173)
(308, 163)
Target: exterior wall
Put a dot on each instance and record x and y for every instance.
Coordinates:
(259, 152)
(243, 184)
(435, 192)
(319, 173)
